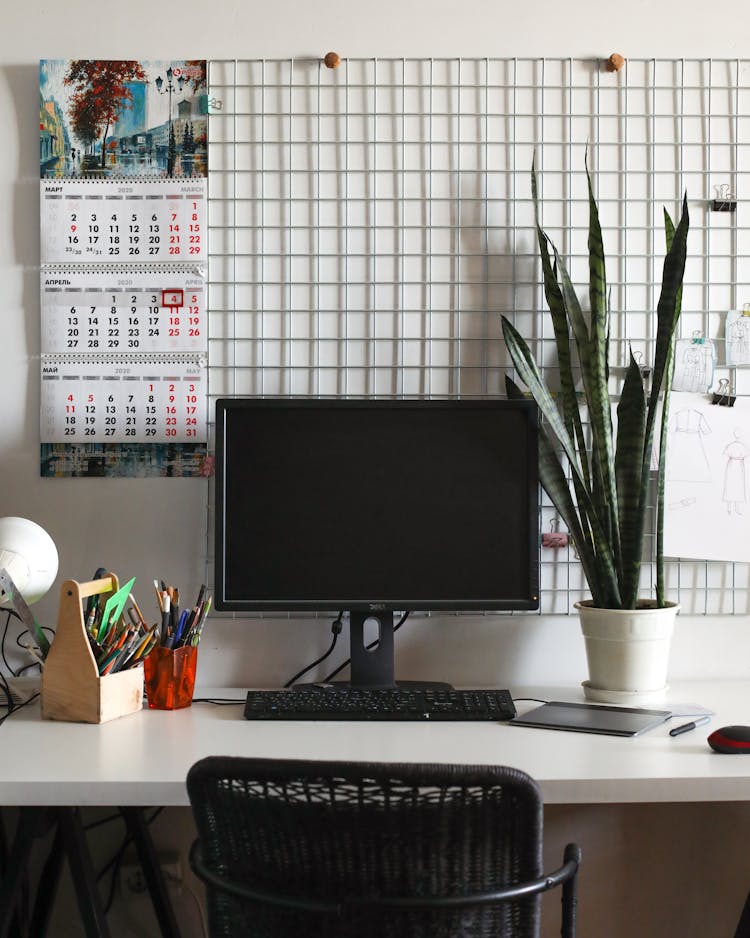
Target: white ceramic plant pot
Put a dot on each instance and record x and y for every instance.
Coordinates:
(627, 651)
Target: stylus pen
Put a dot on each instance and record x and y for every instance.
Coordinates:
(686, 727)
(165, 618)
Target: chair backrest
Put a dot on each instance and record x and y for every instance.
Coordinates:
(343, 849)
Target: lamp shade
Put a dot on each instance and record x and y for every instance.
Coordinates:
(29, 555)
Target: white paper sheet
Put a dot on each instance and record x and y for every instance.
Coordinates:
(707, 488)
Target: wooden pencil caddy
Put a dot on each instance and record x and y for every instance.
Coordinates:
(72, 689)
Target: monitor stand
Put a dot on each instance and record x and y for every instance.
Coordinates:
(374, 667)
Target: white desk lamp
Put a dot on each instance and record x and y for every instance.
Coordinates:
(28, 567)
(29, 556)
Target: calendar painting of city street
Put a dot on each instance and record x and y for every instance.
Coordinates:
(104, 119)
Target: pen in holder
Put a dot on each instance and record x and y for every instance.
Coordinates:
(170, 676)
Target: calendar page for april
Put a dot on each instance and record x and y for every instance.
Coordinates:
(114, 309)
(162, 399)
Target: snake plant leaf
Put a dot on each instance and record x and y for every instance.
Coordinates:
(669, 231)
(587, 529)
(529, 373)
(594, 552)
(660, 483)
(592, 387)
(597, 277)
(668, 309)
(561, 329)
(668, 314)
(556, 485)
(599, 402)
(594, 372)
(602, 498)
(575, 315)
(631, 431)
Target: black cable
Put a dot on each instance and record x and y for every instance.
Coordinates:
(6, 691)
(16, 707)
(115, 862)
(25, 631)
(336, 627)
(34, 663)
(343, 664)
(219, 701)
(293, 680)
(103, 820)
(11, 613)
(2, 642)
(4, 686)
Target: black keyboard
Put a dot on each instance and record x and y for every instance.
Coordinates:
(400, 704)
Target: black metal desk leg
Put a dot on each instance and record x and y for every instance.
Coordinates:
(157, 888)
(31, 822)
(743, 926)
(15, 929)
(47, 889)
(82, 873)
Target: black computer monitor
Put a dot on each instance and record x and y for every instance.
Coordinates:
(374, 507)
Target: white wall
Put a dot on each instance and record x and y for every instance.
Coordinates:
(156, 528)
(151, 528)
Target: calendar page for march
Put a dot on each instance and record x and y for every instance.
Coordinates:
(122, 220)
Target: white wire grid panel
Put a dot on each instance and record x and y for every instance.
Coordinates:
(369, 225)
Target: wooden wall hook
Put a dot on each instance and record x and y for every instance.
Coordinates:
(332, 60)
(615, 62)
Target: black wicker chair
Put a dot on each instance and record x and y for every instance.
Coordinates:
(293, 848)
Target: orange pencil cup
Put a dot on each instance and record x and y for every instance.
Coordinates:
(170, 677)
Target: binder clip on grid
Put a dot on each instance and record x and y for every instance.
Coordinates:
(554, 537)
(644, 369)
(723, 397)
(725, 201)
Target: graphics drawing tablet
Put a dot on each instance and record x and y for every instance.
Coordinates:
(590, 718)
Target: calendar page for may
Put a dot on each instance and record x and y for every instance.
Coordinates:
(123, 223)
(123, 400)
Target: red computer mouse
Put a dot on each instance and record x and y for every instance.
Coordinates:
(730, 739)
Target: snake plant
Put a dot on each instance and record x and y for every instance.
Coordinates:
(598, 480)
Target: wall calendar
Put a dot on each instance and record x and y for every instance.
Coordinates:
(111, 310)
(121, 399)
(137, 220)
(123, 166)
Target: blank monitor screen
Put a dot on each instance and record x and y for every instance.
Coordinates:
(340, 504)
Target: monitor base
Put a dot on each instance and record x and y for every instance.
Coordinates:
(396, 685)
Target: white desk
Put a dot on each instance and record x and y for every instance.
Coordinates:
(143, 759)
